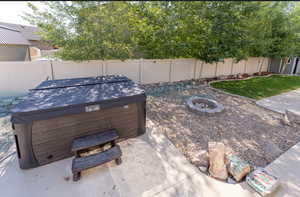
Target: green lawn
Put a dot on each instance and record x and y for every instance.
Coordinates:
(260, 87)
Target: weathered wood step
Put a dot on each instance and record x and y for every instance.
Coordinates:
(83, 163)
(89, 141)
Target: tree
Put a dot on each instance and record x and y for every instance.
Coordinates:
(209, 31)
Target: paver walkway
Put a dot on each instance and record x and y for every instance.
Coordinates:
(280, 103)
(152, 166)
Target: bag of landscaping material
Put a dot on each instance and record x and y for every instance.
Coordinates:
(262, 182)
(237, 167)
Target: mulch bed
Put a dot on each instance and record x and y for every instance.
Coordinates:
(257, 135)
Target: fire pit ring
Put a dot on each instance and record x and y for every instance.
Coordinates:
(203, 105)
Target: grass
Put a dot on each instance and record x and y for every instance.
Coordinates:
(260, 87)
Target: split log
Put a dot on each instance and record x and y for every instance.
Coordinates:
(217, 166)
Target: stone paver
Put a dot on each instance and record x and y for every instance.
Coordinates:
(282, 102)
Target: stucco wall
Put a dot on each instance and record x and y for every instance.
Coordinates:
(13, 52)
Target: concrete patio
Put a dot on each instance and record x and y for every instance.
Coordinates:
(282, 102)
(152, 166)
(287, 168)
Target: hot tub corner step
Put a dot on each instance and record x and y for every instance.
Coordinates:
(89, 141)
(82, 163)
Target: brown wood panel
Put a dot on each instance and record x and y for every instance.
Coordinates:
(43, 152)
(103, 122)
(77, 131)
(89, 125)
(76, 118)
(54, 136)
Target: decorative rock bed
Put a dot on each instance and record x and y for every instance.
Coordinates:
(160, 89)
(7, 103)
(240, 127)
(202, 105)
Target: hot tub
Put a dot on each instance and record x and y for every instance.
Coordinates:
(57, 111)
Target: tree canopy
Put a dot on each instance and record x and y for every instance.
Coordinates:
(210, 31)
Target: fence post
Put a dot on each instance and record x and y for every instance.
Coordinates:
(195, 68)
(269, 64)
(102, 62)
(231, 70)
(52, 71)
(105, 67)
(170, 71)
(201, 69)
(258, 65)
(216, 69)
(100, 69)
(245, 69)
(140, 70)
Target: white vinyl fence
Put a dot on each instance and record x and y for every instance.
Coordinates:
(18, 77)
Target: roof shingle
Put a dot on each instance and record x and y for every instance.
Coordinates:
(10, 36)
(28, 32)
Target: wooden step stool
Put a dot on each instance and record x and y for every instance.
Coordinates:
(84, 144)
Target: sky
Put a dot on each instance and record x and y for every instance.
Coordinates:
(10, 11)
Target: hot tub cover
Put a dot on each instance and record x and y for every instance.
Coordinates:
(68, 96)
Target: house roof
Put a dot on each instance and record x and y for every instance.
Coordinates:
(9, 36)
(28, 32)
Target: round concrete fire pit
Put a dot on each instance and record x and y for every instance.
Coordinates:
(202, 105)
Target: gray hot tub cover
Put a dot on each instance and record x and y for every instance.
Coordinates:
(68, 96)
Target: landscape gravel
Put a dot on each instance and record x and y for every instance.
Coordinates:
(7, 146)
(255, 134)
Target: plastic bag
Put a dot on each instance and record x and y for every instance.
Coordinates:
(237, 167)
(262, 182)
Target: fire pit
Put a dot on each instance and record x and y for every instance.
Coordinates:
(202, 105)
